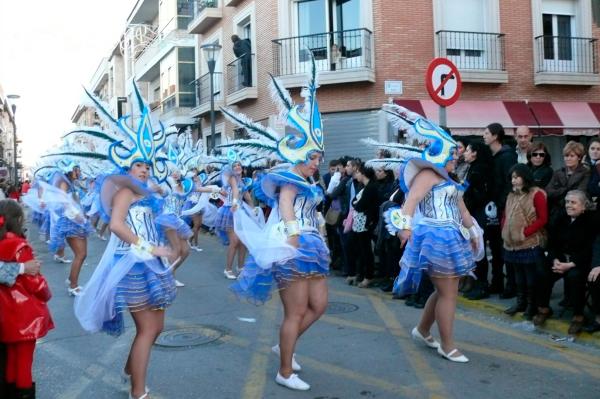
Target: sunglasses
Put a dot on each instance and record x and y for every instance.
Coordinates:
(538, 154)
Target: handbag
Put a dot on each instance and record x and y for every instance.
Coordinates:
(332, 217)
(347, 223)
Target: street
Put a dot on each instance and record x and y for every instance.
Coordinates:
(217, 347)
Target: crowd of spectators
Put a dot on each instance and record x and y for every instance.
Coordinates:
(540, 224)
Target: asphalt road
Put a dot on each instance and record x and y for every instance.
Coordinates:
(216, 347)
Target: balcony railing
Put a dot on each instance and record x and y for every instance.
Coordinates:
(239, 74)
(202, 88)
(200, 5)
(333, 51)
(472, 50)
(563, 54)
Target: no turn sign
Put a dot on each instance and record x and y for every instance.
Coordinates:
(443, 82)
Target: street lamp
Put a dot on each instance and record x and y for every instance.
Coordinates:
(14, 110)
(210, 50)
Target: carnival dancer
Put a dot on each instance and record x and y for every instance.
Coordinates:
(24, 293)
(68, 222)
(287, 253)
(441, 237)
(131, 274)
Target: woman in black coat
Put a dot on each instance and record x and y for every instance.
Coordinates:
(538, 159)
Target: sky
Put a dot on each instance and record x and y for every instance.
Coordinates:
(48, 51)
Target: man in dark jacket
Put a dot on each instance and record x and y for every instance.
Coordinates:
(503, 159)
(242, 48)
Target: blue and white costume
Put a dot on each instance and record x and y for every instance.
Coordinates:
(440, 244)
(128, 276)
(261, 272)
(224, 220)
(171, 218)
(273, 263)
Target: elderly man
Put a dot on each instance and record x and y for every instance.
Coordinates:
(523, 137)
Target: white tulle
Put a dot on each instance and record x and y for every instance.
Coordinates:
(32, 200)
(95, 305)
(266, 241)
(200, 205)
(57, 199)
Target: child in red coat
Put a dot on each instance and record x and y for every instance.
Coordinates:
(24, 314)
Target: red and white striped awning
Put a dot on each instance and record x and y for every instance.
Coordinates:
(470, 117)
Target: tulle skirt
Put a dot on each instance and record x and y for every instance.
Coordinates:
(224, 220)
(255, 284)
(169, 221)
(440, 251)
(140, 289)
(66, 228)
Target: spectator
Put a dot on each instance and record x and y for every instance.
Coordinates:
(242, 49)
(25, 187)
(503, 159)
(388, 245)
(594, 289)
(526, 215)
(461, 165)
(570, 248)
(540, 163)
(523, 136)
(364, 220)
(14, 193)
(345, 192)
(592, 160)
(573, 176)
(476, 196)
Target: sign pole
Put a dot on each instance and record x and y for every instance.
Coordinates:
(442, 121)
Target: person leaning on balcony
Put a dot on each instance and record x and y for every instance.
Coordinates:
(242, 48)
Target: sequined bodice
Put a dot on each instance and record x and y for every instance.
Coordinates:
(174, 204)
(305, 209)
(229, 198)
(441, 204)
(140, 219)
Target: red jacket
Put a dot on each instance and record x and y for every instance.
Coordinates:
(24, 314)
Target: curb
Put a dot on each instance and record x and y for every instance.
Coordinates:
(552, 326)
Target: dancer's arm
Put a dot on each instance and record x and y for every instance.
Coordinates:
(286, 210)
(235, 192)
(121, 203)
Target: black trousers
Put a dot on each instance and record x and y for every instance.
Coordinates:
(594, 288)
(361, 250)
(575, 279)
(493, 235)
(526, 277)
(390, 257)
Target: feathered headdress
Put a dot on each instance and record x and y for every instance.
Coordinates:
(304, 118)
(127, 144)
(428, 144)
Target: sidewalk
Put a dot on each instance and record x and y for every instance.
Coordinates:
(557, 326)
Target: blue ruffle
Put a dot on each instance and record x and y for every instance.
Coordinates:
(255, 284)
(271, 182)
(140, 289)
(66, 228)
(440, 251)
(169, 221)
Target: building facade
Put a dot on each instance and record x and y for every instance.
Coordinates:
(7, 137)
(522, 62)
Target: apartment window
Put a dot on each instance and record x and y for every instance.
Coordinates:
(468, 33)
(557, 36)
(186, 73)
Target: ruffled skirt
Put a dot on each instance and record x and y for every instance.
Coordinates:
(224, 220)
(255, 283)
(66, 228)
(169, 221)
(440, 251)
(140, 289)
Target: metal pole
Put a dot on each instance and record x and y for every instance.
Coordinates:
(211, 69)
(15, 173)
(443, 116)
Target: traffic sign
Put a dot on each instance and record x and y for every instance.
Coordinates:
(443, 81)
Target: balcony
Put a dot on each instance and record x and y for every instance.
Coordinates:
(563, 60)
(341, 57)
(206, 14)
(479, 56)
(147, 65)
(201, 87)
(232, 3)
(240, 80)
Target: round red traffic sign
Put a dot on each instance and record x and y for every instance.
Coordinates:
(443, 81)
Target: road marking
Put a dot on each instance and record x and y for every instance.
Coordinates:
(422, 369)
(256, 378)
(349, 323)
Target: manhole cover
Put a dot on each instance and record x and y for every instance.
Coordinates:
(188, 337)
(340, 307)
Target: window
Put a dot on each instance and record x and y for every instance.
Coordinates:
(557, 36)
